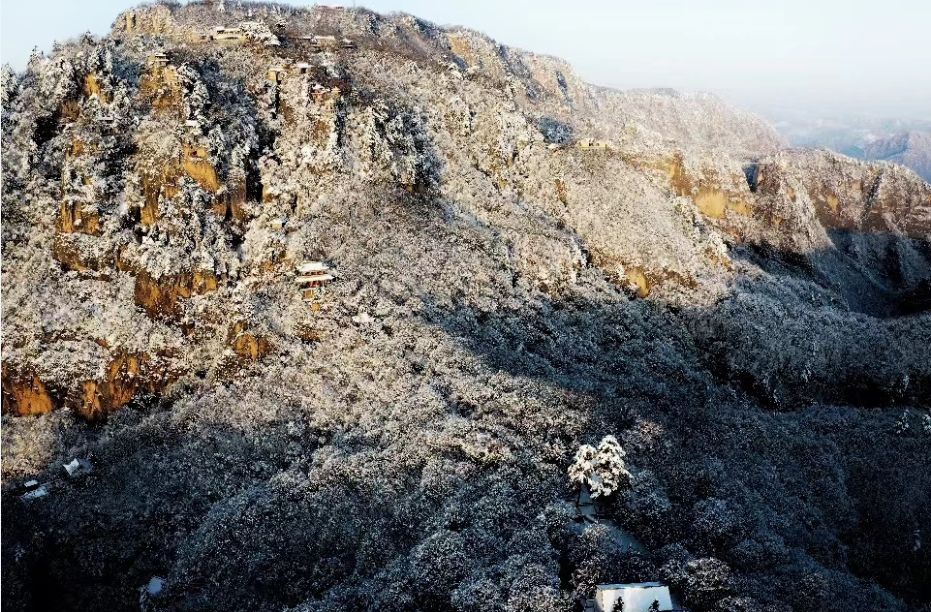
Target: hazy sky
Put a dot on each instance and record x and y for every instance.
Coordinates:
(822, 57)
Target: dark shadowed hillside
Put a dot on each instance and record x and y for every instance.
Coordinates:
(522, 264)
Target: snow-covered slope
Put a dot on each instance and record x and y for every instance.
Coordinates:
(750, 323)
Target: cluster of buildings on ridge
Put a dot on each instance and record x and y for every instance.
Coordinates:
(240, 35)
(248, 31)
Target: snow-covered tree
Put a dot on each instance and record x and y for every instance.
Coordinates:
(603, 469)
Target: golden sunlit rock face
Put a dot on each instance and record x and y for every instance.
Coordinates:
(247, 344)
(125, 377)
(24, 393)
(160, 297)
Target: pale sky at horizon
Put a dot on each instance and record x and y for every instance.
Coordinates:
(813, 57)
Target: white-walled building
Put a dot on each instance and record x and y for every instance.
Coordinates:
(637, 597)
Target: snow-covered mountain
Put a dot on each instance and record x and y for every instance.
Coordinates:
(523, 266)
(912, 149)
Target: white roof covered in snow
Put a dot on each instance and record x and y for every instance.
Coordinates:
(636, 597)
(312, 266)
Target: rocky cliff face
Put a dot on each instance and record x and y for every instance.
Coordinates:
(505, 289)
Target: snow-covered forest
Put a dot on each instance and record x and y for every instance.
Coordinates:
(539, 285)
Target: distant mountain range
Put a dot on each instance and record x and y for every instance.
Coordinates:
(912, 149)
(906, 142)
